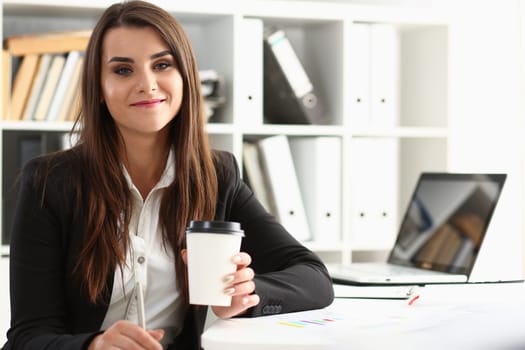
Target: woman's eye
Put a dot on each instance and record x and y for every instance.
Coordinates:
(122, 71)
(162, 65)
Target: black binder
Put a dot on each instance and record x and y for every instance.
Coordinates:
(289, 95)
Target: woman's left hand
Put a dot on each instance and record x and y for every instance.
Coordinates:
(240, 286)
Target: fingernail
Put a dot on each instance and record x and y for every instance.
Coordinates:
(228, 279)
(245, 301)
(236, 259)
(229, 291)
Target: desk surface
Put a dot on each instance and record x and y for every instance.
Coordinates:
(490, 316)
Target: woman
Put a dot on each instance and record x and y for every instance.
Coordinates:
(93, 220)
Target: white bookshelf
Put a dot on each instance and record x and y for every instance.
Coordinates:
(321, 37)
(431, 80)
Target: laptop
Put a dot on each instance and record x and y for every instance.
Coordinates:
(440, 234)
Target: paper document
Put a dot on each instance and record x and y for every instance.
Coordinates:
(374, 292)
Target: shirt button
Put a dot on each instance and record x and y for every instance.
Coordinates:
(141, 259)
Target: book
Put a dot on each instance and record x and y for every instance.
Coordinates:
(289, 95)
(69, 107)
(277, 162)
(62, 85)
(255, 175)
(6, 82)
(74, 108)
(48, 90)
(318, 161)
(48, 42)
(21, 85)
(36, 87)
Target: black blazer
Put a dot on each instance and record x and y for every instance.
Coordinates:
(49, 308)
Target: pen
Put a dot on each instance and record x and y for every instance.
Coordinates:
(140, 305)
(411, 301)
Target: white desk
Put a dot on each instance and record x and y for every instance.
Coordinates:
(490, 316)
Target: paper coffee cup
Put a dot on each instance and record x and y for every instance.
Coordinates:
(211, 246)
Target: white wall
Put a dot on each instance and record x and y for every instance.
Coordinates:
(486, 118)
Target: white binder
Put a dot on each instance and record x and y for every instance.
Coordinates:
(359, 74)
(256, 177)
(249, 86)
(277, 162)
(385, 84)
(374, 193)
(318, 165)
(373, 53)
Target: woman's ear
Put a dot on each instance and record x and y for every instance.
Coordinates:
(184, 254)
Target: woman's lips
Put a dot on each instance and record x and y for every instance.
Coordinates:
(148, 103)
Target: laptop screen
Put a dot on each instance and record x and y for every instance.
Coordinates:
(446, 221)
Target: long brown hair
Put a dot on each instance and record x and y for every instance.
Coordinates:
(106, 197)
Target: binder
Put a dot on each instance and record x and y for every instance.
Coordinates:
(318, 162)
(359, 74)
(277, 162)
(374, 75)
(374, 202)
(6, 83)
(384, 47)
(249, 84)
(255, 176)
(289, 95)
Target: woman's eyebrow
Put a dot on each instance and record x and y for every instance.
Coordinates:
(130, 60)
(161, 54)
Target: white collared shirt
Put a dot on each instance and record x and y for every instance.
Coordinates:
(148, 262)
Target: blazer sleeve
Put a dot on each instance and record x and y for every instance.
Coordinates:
(288, 276)
(38, 251)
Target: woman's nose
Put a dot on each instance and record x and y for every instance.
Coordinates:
(146, 82)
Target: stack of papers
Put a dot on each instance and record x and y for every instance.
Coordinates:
(374, 292)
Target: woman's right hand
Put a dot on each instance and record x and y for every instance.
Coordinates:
(126, 335)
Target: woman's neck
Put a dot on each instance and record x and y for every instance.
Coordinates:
(145, 161)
